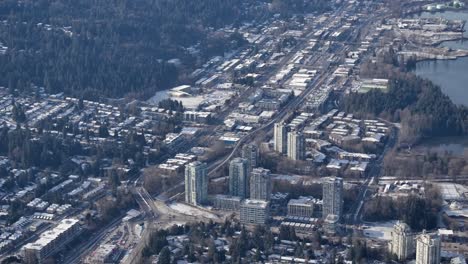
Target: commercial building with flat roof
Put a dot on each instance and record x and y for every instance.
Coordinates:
(103, 254)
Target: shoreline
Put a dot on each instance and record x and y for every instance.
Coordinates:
(419, 12)
(444, 47)
(426, 56)
(441, 46)
(444, 87)
(452, 40)
(448, 59)
(463, 10)
(438, 43)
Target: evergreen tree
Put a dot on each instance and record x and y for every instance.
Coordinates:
(164, 256)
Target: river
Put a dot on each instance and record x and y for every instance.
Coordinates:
(450, 75)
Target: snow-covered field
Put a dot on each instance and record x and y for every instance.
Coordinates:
(452, 191)
(192, 211)
(379, 230)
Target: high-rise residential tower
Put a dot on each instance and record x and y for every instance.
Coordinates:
(250, 153)
(196, 183)
(402, 243)
(280, 138)
(239, 177)
(332, 196)
(428, 249)
(296, 146)
(260, 184)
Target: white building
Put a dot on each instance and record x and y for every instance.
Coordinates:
(402, 243)
(280, 138)
(332, 196)
(239, 177)
(260, 184)
(196, 183)
(296, 146)
(427, 249)
(51, 241)
(254, 212)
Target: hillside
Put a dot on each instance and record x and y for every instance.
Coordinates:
(109, 47)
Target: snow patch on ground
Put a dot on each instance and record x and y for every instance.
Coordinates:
(452, 191)
(379, 230)
(191, 210)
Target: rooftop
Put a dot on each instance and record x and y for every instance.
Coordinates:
(302, 201)
(51, 235)
(257, 203)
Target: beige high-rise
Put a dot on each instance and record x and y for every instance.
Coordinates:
(260, 184)
(196, 183)
(428, 249)
(402, 243)
(280, 138)
(296, 146)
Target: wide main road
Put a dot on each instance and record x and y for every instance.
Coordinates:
(294, 104)
(354, 215)
(290, 107)
(148, 202)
